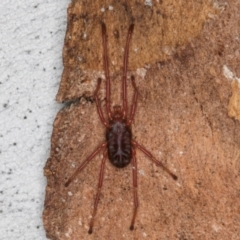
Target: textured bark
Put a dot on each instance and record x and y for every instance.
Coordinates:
(159, 29)
(187, 116)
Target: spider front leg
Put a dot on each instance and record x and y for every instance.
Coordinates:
(106, 69)
(99, 109)
(134, 104)
(125, 65)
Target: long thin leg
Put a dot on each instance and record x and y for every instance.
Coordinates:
(125, 64)
(134, 162)
(81, 167)
(106, 67)
(100, 182)
(134, 103)
(99, 109)
(158, 163)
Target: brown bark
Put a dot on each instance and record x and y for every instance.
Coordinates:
(187, 116)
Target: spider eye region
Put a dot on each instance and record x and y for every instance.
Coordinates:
(119, 138)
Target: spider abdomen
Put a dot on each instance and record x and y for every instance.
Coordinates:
(119, 138)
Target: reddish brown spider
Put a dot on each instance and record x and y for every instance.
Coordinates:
(118, 145)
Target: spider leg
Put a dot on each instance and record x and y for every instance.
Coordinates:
(125, 64)
(134, 168)
(106, 68)
(158, 163)
(81, 167)
(100, 182)
(134, 104)
(99, 109)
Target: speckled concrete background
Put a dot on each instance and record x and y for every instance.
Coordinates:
(31, 39)
(187, 115)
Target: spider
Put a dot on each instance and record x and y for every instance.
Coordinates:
(119, 145)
